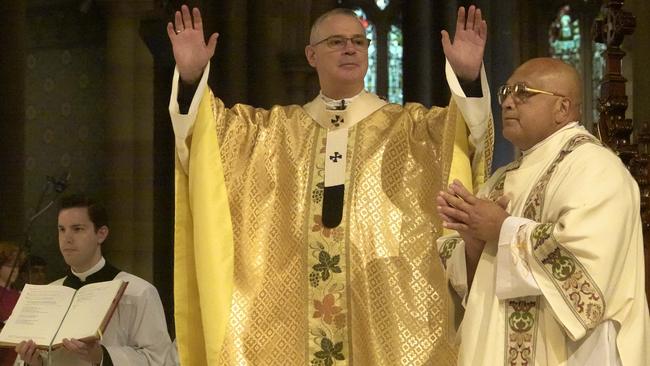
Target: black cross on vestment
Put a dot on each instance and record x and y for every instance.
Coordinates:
(335, 158)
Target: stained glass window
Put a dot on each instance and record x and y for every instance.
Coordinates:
(395, 50)
(564, 38)
(371, 75)
(565, 43)
(597, 74)
(382, 4)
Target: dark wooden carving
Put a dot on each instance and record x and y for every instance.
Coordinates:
(615, 130)
(610, 29)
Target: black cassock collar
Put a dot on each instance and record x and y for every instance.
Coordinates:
(106, 273)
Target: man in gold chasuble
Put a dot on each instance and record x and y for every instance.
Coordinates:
(305, 235)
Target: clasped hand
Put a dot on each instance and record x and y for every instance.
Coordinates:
(472, 217)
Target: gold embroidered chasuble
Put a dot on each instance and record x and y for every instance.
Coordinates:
(370, 291)
(583, 247)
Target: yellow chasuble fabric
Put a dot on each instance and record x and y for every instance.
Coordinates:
(203, 248)
(384, 299)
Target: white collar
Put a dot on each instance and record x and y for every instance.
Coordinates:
(94, 269)
(362, 105)
(338, 104)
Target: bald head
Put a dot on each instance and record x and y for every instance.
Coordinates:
(556, 76)
(553, 101)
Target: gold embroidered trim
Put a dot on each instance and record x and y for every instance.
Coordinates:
(497, 189)
(569, 276)
(521, 313)
(535, 200)
(327, 265)
(489, 147)
(579, 290)
(447, 249)
(521, 331)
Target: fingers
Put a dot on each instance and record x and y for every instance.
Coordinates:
(187, 18)
(473, 22)
(458, 226)
(503, 202)
(453, 214)
(442, 203)
(471, 17)
(478, 18)
(448, 216)
(446, 219)
(75, 346)
(454, 201)
(183, 19)
(178, 22)
(460, 20)
(198, 21)
(28, 352)
(480, 25)
(212, 43)
(446, 43)
(452, 207)
(482, 32)
(459, 189)
(440, 200)
(170, 30)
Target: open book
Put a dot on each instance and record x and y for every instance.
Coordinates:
(47, 314)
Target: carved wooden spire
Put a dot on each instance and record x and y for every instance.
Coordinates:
(616, 131)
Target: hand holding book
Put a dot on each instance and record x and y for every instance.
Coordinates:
(49, 314)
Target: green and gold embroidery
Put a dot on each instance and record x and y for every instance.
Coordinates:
(570, 277)
(567, 272)
(447, 249)
(521, 329)
(535, 202)
(328, 312)
(497, 189)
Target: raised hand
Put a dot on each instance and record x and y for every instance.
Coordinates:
(465, 54)
(188, 43)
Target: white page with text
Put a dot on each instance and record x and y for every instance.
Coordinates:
(37, 314)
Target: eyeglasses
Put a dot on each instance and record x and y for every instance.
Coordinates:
(361, 43)
(520, 92)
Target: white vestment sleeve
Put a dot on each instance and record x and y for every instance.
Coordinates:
(598, 348)
(514, 278)
(183, 124)
(147, 342)
(476, 111)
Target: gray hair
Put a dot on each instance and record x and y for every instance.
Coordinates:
(320, 19)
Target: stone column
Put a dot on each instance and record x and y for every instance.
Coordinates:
(129, 139)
